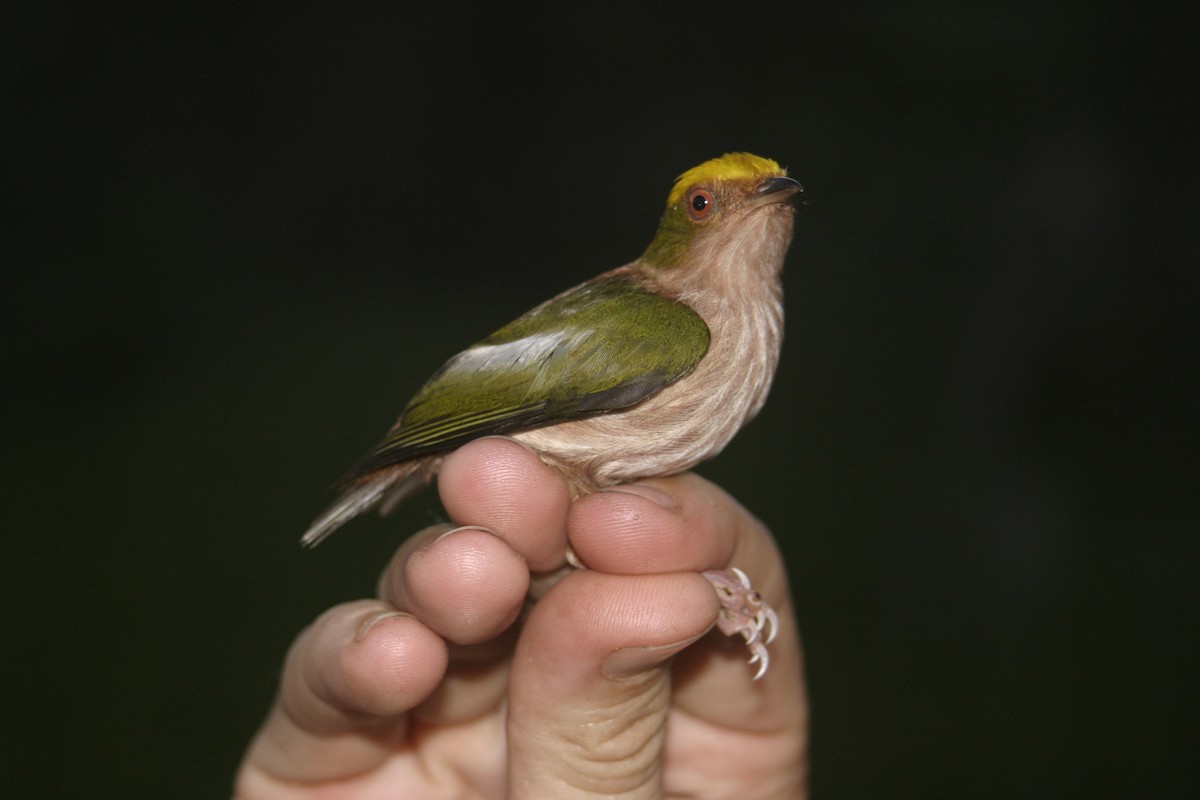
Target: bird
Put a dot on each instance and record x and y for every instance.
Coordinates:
(642, 371)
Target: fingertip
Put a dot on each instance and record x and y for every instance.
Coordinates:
(348, 679)
(361, 658)
(502, 485)
(655, 494)
(663, 525)
(491, 458)
(466, 584)
(390, 668)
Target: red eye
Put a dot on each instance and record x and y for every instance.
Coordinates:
(699, 203)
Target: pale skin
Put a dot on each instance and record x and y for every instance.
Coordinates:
(612, 685)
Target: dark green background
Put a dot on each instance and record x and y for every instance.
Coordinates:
(237, 236)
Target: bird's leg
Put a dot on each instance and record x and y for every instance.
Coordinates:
(744, 612)
(541, 582)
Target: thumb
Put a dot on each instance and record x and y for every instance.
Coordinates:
(590, 689)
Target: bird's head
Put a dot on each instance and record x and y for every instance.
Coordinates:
(723, 205)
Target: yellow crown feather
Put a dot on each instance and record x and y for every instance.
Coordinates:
(731, 166)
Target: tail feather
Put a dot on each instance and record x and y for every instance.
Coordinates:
(386, 489)
(408, 484)
(351, 503)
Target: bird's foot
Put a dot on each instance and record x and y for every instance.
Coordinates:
(744, 612)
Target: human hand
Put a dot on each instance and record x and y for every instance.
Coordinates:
(608, 686)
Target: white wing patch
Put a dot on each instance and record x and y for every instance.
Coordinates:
(529, 350)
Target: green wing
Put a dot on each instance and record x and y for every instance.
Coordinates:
(602, 346)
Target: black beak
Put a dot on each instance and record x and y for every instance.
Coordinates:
(777, 189)
(774, 192)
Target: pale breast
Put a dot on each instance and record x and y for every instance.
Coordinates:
(687, 422)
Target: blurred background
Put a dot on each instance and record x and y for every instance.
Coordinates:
(237, 237)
